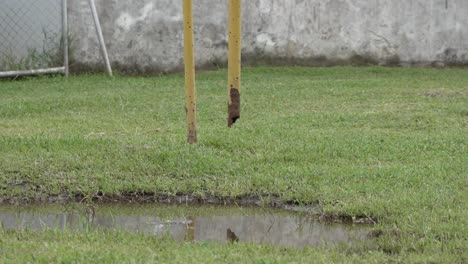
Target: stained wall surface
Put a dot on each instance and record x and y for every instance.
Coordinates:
(147, 35)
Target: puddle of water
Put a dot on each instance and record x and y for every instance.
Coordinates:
(188, 223)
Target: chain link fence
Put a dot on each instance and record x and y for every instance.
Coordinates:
(31, 34)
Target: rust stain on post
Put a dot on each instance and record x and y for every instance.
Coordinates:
(233, 107)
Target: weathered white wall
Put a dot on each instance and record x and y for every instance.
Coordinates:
(146, 35)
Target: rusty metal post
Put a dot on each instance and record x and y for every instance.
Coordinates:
(190, 95)
(234, 60)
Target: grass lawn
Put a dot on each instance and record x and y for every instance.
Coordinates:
(386, 143)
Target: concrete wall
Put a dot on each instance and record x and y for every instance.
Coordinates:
(146, 35)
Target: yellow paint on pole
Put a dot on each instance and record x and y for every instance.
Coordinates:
(190, 95)
(234, 60)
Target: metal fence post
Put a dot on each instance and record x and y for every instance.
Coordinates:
(102, 43)
(65, 37)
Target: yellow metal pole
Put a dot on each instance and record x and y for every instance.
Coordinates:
(190, 96)
(234, 61)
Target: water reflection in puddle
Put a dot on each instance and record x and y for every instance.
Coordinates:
(186, 223)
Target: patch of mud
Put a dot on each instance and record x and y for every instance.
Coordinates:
(445, 93)
(234, 107)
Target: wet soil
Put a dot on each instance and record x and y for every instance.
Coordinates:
(141, 198)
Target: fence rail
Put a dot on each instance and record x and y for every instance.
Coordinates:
(33, 38)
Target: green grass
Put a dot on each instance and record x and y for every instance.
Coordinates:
(389, 143)
(119, 247)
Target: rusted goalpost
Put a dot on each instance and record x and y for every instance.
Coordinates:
(190, 94)
(234, 67)
(234, 61)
